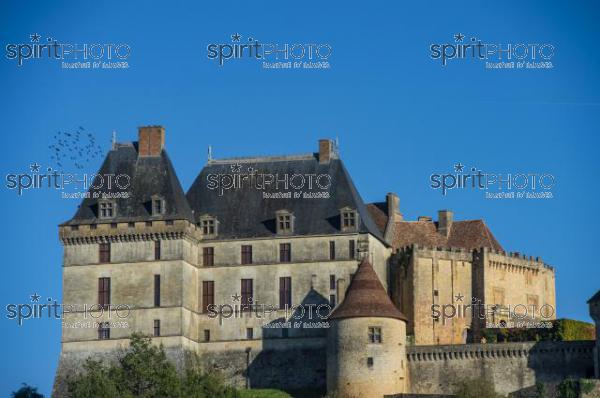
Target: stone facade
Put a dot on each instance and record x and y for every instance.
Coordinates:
(162, 253)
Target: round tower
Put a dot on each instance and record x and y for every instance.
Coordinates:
(366, 341)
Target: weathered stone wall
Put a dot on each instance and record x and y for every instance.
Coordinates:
(511, 367)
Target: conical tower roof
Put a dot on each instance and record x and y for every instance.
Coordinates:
(366, 297)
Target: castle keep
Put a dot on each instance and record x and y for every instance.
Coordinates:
(275, 272)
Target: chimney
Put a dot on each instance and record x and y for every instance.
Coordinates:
(151, 140)
(325, 151)
(393, 210)
(445, 221)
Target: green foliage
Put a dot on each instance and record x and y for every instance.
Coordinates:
(144, 371)
(562, 330)
(266, 393)
(476, 388)
(540, 390)
(26, 391)
(568, 388)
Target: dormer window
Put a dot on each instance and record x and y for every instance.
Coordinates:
(285, 222)
(107, 209)
(349, 219)
(158, 205)
(208, 225)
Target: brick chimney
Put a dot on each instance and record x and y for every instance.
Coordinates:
(151, 140)
(325, 151)
(445, 218)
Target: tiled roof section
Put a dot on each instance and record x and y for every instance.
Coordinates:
(366, 297)
(595, 298)
(378, 212)
(150, 175)
(245, 213)
(469, 234)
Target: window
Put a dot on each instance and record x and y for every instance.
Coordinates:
(113, 225)
(93, 226)
(348, 216)
(246, 254)
(208, 256)
(156, 327)
(331, 282)
(331, 250)
(104, 292)
(285, 292)
(285, 252)
(249, 333)
(436, 293)
(104, 252)
(370, 362)
(148, 223)
(157, 290)
(107, 209)
(208, 294)
(247, 295)
(169, 222)
(206, 334)
(103, 331)
(285, 222)
(208, 225)
(74, 227)
(332, 300)
(158, 206)
(157, 249)
(352, 249)
(374, 335)
(131, 225)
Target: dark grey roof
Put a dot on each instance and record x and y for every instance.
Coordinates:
(150, 175)
(243, 212)
(595, 297)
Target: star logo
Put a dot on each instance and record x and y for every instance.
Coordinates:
(35, 297)
(236, 168)
(236, 297)
(235, 37)
(459, 297)
(459, 37)
(458, 167)
(35, 168)
(35, 38)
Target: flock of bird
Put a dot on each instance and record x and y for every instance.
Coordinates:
(79, 148)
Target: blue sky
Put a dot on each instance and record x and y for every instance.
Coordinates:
(399, 115)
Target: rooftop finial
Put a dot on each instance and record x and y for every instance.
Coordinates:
(114, 139)
(209, 153)
(337, 145)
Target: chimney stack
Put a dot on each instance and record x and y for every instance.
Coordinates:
(151, 140)
(445, 218)
(393, 211)
(326, 151)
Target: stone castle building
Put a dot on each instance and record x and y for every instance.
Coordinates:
(275, 272)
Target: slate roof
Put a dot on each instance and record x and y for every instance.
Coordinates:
(595, 298)
(466, 234)
(366, 297)
(245, 213)
(150, 175)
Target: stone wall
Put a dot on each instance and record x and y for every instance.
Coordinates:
(511, 367)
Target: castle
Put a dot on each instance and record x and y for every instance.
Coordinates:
(276, 273)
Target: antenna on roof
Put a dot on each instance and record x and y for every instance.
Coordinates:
(337, 145)
(114, 139)
(209, 153)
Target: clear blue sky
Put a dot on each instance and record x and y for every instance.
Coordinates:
(400, 116)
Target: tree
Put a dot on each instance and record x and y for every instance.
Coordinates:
(143, 370)
(26, 391)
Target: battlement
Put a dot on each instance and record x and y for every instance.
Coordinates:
(498, 350)
(127, 231)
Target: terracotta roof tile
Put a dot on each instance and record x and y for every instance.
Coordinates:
(366, 297)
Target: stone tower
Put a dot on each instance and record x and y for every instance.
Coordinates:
(366, 341)
(594, 303)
